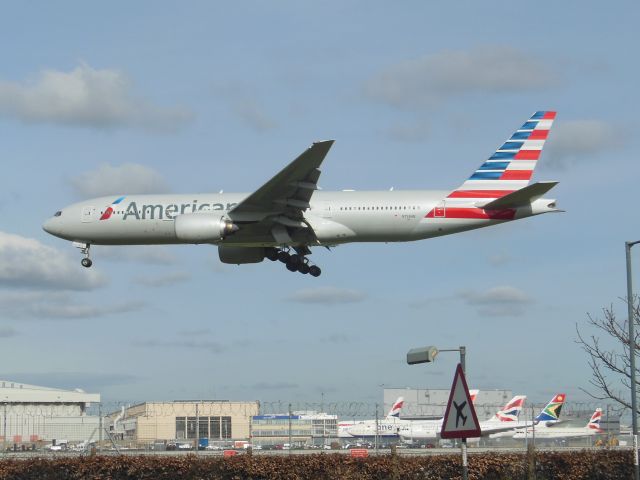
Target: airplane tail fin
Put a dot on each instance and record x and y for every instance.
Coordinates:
(473, 393)
(396, 408)
(510, 168)
(551, 412)
(594, 422)
(512, 409)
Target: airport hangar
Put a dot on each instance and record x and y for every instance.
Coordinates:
(32, 414)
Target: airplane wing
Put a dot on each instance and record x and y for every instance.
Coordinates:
(281, 202)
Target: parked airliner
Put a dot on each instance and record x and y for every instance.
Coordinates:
(505, 419)
(288, 215)
(592, 428)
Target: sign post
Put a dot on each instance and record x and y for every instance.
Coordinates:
(460, 419)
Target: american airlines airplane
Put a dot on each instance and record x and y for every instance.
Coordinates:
(288, 215)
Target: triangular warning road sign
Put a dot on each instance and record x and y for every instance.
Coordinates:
(460, 420)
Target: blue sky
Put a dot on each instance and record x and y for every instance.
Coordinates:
(201, 96)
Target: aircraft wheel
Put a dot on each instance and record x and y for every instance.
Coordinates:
(292, 267)
(295, 259)
(304, 268)
(314, 271)
(86, 262)
(283, 256)
(271, 254)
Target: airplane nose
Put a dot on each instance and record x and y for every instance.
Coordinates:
(50, 226)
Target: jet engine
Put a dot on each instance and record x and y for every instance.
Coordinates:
(203, 227)
(238, 255)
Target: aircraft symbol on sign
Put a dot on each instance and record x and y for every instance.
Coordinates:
(459, 410)
(460, 420)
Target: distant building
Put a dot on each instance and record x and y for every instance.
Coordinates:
(30, 414)
(431, 403)
(308, 427)
(216, 420)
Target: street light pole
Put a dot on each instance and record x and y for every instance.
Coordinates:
(632, 359)
(427, 355)
(465, 466)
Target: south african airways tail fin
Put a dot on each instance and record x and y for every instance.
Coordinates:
(551, 412)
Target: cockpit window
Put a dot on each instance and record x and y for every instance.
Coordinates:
(58, 213)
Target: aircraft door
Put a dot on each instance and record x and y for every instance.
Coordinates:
(440, 210)
(88, 214)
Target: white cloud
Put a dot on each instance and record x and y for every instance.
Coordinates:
(87, 97)
(129, 178)
(27, 263)
(576, 140)
(163, 280)
(498, 301)
(327, 296)
(425, 81)
(57, 305)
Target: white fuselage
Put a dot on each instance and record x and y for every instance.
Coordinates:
(334, 217)
(556, 432)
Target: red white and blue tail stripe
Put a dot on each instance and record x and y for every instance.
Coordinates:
(509, 169)
(512, 410)
(396, 408)
(511, 166)
(594, 422)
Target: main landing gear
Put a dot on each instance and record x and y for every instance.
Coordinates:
(84, 249)
(294, 262)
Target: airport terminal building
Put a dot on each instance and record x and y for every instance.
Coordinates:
(216, 420)
(302, 428)
(31, 414)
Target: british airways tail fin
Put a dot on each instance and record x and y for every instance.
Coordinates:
(551, 412)
(594, 422)
(396, 408)
(511, 410)
(510, 168)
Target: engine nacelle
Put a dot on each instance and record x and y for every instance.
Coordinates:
(238, 255)
(203, 227)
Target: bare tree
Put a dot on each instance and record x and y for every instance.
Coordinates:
(610, 367)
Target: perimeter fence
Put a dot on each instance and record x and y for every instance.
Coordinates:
(212, 425)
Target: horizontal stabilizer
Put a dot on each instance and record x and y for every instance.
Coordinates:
(521, 197)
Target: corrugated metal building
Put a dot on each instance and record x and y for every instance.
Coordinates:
(431, 403)
(29, 414)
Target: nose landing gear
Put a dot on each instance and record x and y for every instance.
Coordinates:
(294, 262)
(84, 249)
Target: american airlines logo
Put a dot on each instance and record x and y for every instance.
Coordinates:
(161, 211)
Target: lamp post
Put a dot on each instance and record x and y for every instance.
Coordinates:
(632, 359)
(428, 355)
